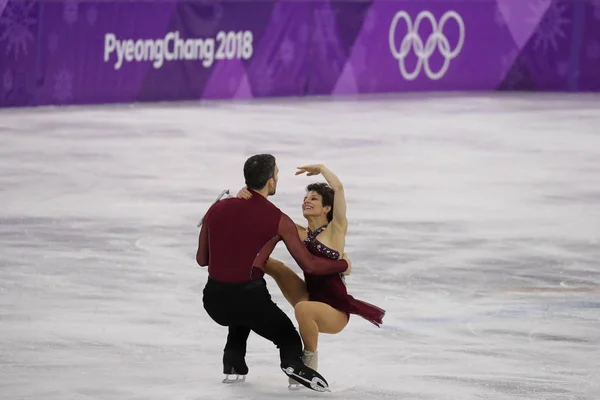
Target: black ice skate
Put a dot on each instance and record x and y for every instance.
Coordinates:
(235, 373)
(309, 358)
(305, 376)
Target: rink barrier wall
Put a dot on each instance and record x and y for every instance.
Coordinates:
(111, 51)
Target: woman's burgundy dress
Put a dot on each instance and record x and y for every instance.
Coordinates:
(331, 289)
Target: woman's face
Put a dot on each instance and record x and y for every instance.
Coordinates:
(312, 206)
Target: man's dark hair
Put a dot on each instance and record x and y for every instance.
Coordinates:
(326, 193)
(258, 169)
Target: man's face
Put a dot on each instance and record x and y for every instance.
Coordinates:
(273, 182)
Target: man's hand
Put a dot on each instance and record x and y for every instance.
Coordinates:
(345, 257)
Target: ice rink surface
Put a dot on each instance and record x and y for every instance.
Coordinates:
(474, 221)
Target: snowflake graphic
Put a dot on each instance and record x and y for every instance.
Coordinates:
(551, 27)
(8, 81)
(63, 85)
(52, 42)
(286, 51)
(92, 15)
(17, 21)
(71, 11)
(593, 50)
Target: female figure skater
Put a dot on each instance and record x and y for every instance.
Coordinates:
(321, 302)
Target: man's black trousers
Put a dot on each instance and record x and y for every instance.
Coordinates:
(245, 307)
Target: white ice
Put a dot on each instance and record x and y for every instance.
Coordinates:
(474, 221)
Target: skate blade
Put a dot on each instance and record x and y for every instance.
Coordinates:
(233, 378)
(317, 384)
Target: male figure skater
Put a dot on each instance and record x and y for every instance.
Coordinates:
(236, 240)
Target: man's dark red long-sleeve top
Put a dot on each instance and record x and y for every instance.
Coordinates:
(238, 235)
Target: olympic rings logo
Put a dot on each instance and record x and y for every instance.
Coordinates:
(437, 40)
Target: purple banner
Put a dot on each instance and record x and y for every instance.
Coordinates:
(89, 52)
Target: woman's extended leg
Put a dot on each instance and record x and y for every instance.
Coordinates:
(290, 284)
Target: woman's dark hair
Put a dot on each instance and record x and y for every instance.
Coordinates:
(326, 193)
(258, 169)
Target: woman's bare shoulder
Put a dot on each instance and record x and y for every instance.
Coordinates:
(301, 231)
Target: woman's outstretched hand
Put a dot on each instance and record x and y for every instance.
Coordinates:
(310, 170)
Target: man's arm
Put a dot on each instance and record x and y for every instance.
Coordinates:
(202, 255)
(306, 261)
(349, 270)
